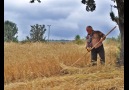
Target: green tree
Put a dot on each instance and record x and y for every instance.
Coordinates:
(90, 6)
(37, 33)
(10, 31)
(78, 40)
(77, 37)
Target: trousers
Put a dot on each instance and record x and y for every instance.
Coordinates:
(100, 50)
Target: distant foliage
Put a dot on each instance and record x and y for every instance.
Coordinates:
(10, 31)
(77, 37)
(78, 40)
(118, 39)
(37, 33)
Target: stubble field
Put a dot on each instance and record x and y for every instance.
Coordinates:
(46, 66)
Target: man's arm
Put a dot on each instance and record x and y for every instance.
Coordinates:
(103, 37)
(88, 43)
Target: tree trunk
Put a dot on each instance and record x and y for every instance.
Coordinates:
(121, 61)
(120, 7)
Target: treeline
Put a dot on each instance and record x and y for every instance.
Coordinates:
(36, 33)
(79, 40)
(117, 39)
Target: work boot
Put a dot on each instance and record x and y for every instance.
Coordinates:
(92, 64)
(102, 63)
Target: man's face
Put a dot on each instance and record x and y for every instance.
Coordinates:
(89, 30)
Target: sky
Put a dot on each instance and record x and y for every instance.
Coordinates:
(67, 18)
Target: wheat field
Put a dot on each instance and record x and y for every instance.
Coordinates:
(38, 66)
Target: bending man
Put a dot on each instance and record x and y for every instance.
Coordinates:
(91, 39)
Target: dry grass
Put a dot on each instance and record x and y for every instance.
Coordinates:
(37, 66)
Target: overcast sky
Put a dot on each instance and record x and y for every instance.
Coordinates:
(66, 17)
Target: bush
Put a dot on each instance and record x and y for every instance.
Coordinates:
(79, 42)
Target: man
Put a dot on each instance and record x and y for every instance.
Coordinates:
(92, 38)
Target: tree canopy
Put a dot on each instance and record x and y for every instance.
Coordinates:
(37, 33)
(10, 31)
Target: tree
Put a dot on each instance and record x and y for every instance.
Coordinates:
(78, 40)
(37, 33)
(90, 6)
(77, 37)
(10, 31)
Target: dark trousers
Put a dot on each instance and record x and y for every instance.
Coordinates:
(100, 51)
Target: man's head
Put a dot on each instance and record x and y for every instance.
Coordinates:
(89, 29)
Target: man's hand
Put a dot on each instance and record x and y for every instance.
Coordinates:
(102, 39)
(88, 49)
